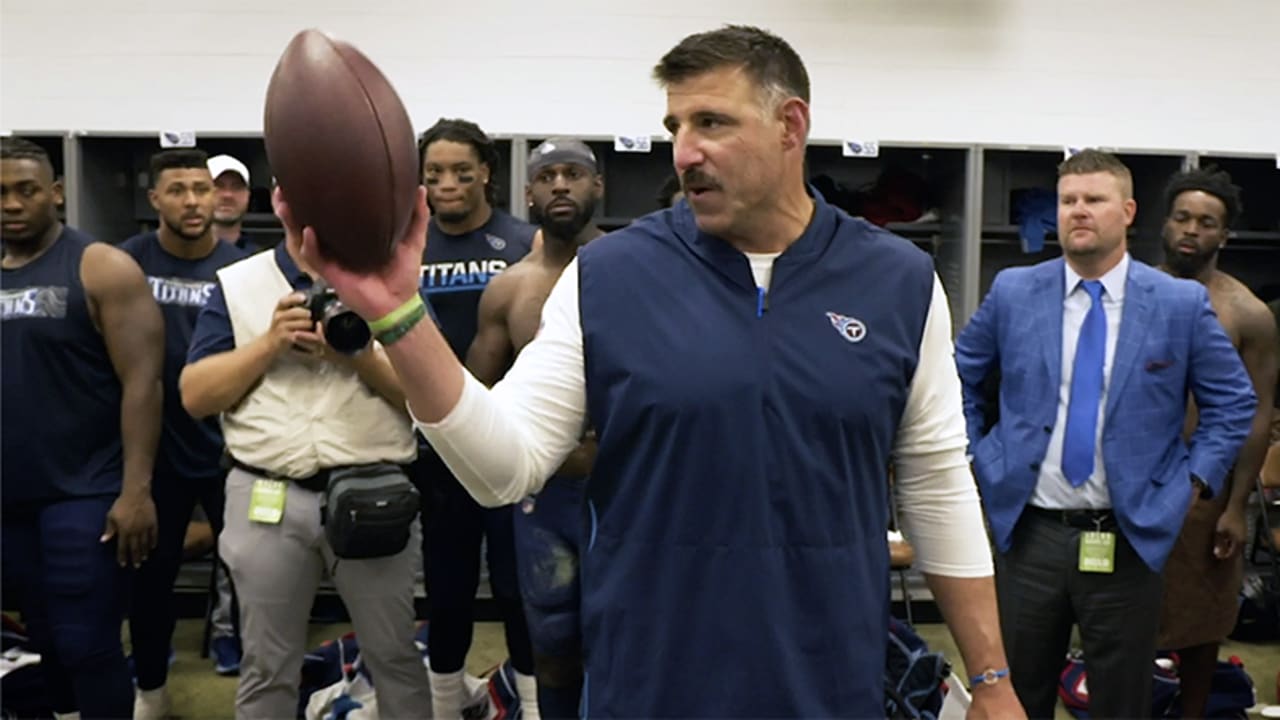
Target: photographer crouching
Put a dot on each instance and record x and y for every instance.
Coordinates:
(316, 426)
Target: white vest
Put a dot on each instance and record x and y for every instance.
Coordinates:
(305, 414)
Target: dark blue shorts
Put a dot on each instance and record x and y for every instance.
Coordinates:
(549, 530)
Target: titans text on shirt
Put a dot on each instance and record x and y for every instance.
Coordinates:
(456, 269)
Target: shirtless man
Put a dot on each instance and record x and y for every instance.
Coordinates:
(1203, 575)
(564, 187)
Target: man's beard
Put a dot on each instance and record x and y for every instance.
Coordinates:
(452, 216)
(1189, 266)
(564, 228)
(181, 231)
(228, 218)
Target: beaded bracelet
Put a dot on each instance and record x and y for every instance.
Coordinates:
(990, 676)
(399, 322)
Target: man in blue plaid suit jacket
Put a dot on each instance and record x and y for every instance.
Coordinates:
(1086, 476)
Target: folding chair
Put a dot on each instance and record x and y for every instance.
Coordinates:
(1266, 531)
(901, 554)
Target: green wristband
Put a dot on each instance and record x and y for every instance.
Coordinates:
(403, 325)
(391, 319)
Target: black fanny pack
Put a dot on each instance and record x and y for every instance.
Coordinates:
(370, 510)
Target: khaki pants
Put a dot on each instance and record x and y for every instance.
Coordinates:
(276, 570)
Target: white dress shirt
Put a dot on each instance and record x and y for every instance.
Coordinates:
(1053, 490)
(504, 443)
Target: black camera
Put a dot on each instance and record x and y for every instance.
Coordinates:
(345, 331)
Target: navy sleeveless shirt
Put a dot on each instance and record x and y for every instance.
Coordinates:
(60, 395)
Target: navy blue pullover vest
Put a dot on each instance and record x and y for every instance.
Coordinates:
(60, 394)
(738, 506)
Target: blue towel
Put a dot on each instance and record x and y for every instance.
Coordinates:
(1036, 213)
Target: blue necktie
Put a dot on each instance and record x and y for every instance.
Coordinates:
(1086, 390)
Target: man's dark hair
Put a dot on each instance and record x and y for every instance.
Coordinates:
(668, 189)
(16, 148)
(182, 159)
(1208, 180)
(1089, 161)
(467, 133)
(774, 65)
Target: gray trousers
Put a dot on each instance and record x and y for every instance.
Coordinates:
(221, 617)
(277, 569)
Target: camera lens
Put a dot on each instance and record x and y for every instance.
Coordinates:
(345, 331)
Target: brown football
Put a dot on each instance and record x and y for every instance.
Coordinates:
(341, 146)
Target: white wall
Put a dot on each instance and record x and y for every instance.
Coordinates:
(1165, 74)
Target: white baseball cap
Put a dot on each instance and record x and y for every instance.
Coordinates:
(219, 164)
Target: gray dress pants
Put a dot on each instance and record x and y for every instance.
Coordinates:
(277, 569)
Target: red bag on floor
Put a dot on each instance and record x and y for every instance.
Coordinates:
(1073, 686)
